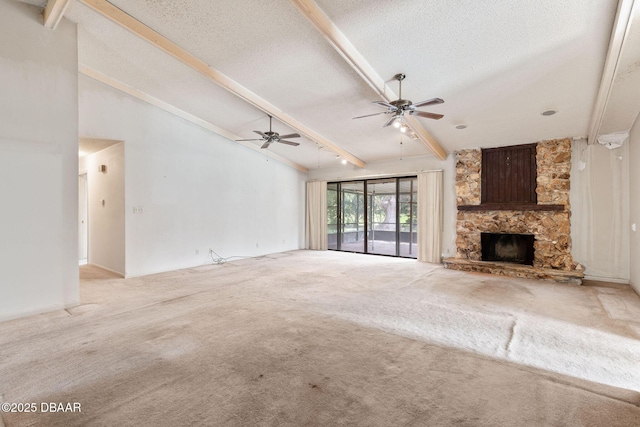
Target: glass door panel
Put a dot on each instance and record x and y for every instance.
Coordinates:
(408, 218)
(383, 213)
(352, 230)
(332, 215)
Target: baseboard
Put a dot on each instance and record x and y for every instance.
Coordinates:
(607, 279)
(149, 273)
(37, 311)
(107, 269)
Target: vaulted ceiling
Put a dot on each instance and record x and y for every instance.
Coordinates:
(314, 65)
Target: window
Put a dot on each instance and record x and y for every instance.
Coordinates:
(374, 216)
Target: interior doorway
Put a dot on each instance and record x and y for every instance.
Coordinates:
(101, 204)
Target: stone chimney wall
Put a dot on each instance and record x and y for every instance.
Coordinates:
(551, 229)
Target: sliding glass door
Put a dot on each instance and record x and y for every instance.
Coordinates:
(374, 216)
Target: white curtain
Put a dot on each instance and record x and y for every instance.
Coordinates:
(317, 215)
(430, 216)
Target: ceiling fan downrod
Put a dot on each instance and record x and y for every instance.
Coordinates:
(399, 77)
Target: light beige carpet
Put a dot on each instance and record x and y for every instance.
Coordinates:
(325, 338)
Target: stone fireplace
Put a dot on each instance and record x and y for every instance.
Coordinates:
(546, 221)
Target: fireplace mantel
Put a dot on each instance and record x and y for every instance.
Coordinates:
(510, 207)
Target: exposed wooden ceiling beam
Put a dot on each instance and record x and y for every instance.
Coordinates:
(619, 34)
(142, 96)
(138, 28)
(53, 13)
(352, 56)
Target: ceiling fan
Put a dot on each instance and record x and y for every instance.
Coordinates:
(271, 137)
(401, 106)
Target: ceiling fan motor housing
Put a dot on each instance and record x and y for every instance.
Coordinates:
(402, 104)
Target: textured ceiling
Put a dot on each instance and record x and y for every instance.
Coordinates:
(497, 65)
(88, 146)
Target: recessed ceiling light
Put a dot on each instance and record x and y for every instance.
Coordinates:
(344, 162)
(549, 112)
(461, 126)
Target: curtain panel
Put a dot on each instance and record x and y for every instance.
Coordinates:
(317, 215)
(430, 216)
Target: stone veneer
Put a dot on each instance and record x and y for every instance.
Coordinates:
(552, 229)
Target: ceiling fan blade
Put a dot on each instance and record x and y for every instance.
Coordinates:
(386, 104)
(288, 142)
(391, 120)
(266, 144)
(290, 135)
(427, 115)
(255, 139)
(262, 134)
(374, 114)
(433, 101)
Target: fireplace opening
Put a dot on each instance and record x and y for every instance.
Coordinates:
(504, 247)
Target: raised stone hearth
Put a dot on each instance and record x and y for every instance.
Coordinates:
(551, 228)
(515, 270)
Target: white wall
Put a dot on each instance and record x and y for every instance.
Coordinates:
(634, 205)
(106, 221)
(407, 166)
(600, 210)
(197, 189)
(38, 163)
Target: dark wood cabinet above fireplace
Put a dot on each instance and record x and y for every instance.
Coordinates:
(508, 180)
(508, 175)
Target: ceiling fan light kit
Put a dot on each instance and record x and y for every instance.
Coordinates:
(400, 106)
